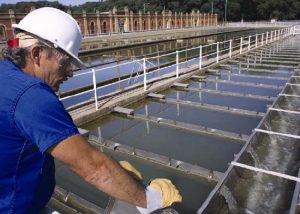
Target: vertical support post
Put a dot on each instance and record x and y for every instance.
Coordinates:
(217, 52)
(186, 57)
(177, 64)
(200, 57)
(147, 122)
(267, 37)
(158, 63)
(294, 30)
(119, 73)
(262, 39)
(280, 33)
(145, 76)
(271, 36)
(256, 40)
(249, 43)
(241, 45)
(95, 88)
(230, 48)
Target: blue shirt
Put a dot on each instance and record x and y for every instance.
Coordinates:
(32, 119)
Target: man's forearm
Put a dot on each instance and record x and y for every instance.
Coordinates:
(111, 178)
(99, 170)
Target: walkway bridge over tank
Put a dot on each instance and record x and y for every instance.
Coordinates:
(220, 120)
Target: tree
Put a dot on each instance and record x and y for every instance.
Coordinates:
(249, 10)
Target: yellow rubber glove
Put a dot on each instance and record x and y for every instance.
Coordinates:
(169, 192)
(128, 167)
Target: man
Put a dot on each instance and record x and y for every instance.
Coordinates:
(35, 127)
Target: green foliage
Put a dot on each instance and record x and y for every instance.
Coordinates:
(248, 10)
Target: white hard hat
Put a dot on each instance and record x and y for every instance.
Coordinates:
(55, 26)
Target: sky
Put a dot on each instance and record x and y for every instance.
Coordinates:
(65, 2)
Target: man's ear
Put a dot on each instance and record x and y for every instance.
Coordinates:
(36, 54)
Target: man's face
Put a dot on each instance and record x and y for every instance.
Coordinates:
(55, 68)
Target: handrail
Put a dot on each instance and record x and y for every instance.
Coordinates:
(219, 49)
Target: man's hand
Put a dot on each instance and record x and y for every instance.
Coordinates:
(170, 194)
(161, 193)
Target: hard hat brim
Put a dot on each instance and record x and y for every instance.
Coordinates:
(76, 61)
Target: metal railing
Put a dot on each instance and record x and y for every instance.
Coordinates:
(263, 24)
(143, 71)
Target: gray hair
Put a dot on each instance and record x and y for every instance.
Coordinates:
(16, 55)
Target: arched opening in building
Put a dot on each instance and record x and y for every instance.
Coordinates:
(104, 27)
(135, 27)
(3, 36)
(160, 24)
(195, 22)
(172, 24)
(168, 23)
(152, 25)
(92, 28)
(144, 25)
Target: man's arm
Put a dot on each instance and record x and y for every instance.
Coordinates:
(99, 169)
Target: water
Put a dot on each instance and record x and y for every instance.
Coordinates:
(207, 118)
(174, 143)
(246, 191)
(235, 88)
(249, 79)
(216, 99)
(230, 200)
(127, 55)
(193, 190)
(289, 103)
(283, 123)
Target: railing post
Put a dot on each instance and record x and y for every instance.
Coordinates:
(158, 63)
(294, 30)
(200, 57)
(249, 43)
(95, 88)
(267, 37)
(241, 45)
(145, 76)
(217, 52)
(262, 39)
(256, 40)
(186, 57)
(271, 34)
(230, 48)
(177, 65)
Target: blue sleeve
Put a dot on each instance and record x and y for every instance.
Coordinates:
(42, 119)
